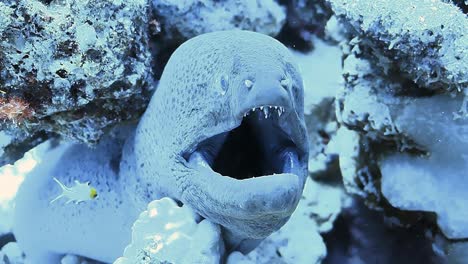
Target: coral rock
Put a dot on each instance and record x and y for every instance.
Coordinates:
(72, 67)
(167, 233)
(182, 20)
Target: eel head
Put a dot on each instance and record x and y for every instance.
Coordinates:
(249, 175)
(229, 110)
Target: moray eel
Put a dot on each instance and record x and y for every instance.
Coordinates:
(224, 133)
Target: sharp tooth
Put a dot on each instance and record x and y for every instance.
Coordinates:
(197, 159)
(265, 112)
(253, 109)
(279, 112)
(276, 107)
(261, 107)
(291, 162)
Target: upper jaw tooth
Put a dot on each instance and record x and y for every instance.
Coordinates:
(267, 110)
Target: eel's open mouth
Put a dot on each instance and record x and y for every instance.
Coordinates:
(257, 147)
(251, 176)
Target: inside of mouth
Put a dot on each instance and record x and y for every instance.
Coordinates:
(258, 147)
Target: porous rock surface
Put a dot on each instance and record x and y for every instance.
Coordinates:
(424, 41)
(167, 233)
(308, 18)
(182, 20)
(72, 68)
(403, 109)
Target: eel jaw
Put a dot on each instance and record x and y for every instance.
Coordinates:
(252, 175)
(268, 110)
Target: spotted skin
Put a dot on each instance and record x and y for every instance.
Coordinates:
(202, 93)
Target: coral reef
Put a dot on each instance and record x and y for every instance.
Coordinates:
(305, 21)
(74, 68)
(167, 233)
(375, 112)
(182, 20)
(403, 109)
(321, 82)
(11, 177)
(424, 41)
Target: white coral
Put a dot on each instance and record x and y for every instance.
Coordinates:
(12, 254)
(167, 233)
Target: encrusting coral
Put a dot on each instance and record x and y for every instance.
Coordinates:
(73, 68)
(182, 20)
(424, 41)
(167, 233)
(403, 108)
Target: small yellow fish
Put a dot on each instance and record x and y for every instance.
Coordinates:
(79, 193)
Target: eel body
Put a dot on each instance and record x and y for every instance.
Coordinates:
(224, 133)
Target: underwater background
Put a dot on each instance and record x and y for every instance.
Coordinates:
(385, 89)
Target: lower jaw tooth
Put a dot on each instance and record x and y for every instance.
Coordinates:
(291, 162)
(197, 160)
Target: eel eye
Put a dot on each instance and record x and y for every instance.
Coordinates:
(248, 83)
(285, 83)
